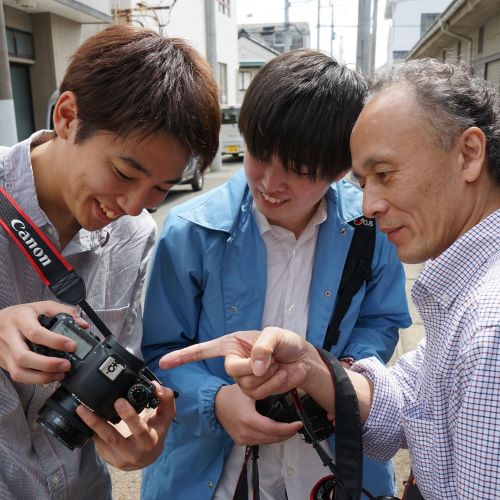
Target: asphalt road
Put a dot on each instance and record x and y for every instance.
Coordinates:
(126, 485)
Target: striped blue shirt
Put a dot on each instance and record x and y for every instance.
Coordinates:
(442, 401)
(113, 264)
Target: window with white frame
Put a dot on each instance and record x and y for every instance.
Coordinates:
(245, 79)
(223, 83)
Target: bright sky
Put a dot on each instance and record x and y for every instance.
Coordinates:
(345, 19)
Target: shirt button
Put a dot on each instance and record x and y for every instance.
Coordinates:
(291, 308)
(210, 484)
(234, 309)
(328, 293)
(294, 252)
(56, 478)
(342, 231)
(289, 471)
(445, 297)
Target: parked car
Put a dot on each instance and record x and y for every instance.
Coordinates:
(192, 173)
(231, 142)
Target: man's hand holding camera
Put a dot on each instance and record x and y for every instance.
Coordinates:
(148, 431)
(19, 325)
(237, 414)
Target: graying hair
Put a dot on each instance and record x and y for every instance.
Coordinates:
(452, 99)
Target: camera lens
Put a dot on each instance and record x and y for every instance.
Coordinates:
(58, 416)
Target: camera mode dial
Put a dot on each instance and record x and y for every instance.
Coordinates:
(137, 394)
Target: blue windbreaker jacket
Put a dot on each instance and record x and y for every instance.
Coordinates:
(208, 278)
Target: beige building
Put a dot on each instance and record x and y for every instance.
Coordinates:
(41, 35)
(468, 30)
(37, 38)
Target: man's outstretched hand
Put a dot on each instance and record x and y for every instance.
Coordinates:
(264, 363)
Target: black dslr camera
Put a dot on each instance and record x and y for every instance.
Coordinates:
(281, 409)
(101, 372)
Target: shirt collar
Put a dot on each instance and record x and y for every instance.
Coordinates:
(21, 186)
(87, 240)
(19, 180)
(318, 218)
(447, 275)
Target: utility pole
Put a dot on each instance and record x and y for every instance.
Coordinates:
(287, 42)
(8, 132)
(363, 43)
(211, 51)
(319, 24)
(373, 38)
(332, 33)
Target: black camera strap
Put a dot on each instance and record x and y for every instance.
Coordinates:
(348, 436)
(411, 491)
(56, 272)
(357, 270)
(348, 468)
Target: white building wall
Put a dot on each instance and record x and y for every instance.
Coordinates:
(227, 50)
(187, 20)
(103, 6)
(251, 52)
(405, 30)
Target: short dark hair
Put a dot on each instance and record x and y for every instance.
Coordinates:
(132, 81)
(452, 99)
(301, 107)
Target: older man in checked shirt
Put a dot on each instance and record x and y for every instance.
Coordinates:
(426, 150)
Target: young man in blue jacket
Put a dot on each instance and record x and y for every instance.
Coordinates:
(267, 248)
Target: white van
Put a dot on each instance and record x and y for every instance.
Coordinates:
(231, 142)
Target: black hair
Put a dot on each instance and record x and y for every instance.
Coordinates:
(301, 107)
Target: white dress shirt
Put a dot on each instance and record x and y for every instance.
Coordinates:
(291, 468)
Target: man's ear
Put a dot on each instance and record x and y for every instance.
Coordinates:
(65, 115)
(473, 153)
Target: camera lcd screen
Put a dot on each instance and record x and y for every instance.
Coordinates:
(82, 346)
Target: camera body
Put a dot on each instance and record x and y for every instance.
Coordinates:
(280, 408)
(101, 372)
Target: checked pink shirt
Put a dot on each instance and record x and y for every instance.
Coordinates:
(442, 401)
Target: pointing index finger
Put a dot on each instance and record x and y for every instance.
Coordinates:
(196, 352)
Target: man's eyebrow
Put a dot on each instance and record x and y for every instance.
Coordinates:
(370, 162)
(366, 166)
(133, 163)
